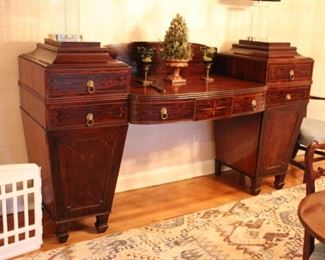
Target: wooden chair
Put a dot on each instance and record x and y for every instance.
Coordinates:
(311, 209)
(310, 130)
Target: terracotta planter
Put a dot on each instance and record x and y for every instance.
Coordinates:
(176, 64)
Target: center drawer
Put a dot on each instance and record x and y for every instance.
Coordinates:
(87, 83)
(248, 104)
(213, 108)
(161, 112)
(87, 115)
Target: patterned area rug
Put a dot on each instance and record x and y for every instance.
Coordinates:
(260, 227)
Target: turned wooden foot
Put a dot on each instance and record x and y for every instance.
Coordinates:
(217, 167)
(255, 188)
(101, 223)
(309, 244)
(62, 232)
(279, 181)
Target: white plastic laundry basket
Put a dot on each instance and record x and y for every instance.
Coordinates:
(20, 209)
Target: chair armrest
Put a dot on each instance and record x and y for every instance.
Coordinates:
(317, 98)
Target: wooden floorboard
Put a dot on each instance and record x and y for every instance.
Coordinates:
(149, 205)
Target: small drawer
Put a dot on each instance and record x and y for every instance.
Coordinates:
(87, 83)
(248, 104)
(87, 115)
(161, 112)
(290, 72)
(212, 108)
(278, 96)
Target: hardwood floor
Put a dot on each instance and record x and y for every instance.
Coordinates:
(144, 206)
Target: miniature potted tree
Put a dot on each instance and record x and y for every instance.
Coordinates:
(176, 50)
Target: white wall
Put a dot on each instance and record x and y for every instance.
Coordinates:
(157, 153)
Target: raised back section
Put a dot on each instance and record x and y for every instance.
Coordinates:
(264, 62)
(127, 52)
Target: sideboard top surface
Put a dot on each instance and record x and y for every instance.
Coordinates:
(194, 88)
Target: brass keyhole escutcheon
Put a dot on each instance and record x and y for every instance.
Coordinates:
(254, 104)
(91, 86)
(90, 119)
(291, 74)
(163, 113)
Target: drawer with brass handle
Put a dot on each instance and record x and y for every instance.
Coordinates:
(161, 112)
(87, 115)
(289, 72)
(247, 104)
(277, 96)
(71, 84)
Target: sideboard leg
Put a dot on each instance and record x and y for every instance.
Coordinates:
(279, 181)
(255, 188)
(217, 167)
(101, 223)
(62, 232)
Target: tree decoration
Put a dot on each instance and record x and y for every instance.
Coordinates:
(176, 49)
(176, 44)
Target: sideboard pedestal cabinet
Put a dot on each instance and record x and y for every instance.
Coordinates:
(261, 145)
(74, 110)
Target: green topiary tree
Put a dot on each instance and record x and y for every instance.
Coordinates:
(176, 44)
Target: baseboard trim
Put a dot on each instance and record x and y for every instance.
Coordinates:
(164, 175)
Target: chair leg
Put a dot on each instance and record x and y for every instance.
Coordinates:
(217, 168)
(295, 151)
(309, 243)
(296, 148)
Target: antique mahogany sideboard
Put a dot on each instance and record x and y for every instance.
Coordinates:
(78, 98)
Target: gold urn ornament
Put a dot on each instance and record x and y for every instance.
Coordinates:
(176, 64)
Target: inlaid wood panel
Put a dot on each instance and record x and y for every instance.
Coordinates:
(212, 108)
(92, 156)
(280, 131)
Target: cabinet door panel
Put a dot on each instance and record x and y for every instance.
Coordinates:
(236, 142)
(85, 165)
(280, 130)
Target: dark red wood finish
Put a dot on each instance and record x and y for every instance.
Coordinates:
(237, 141)
(269, 81)
(76, 132)
(288, 77)
(74, 102)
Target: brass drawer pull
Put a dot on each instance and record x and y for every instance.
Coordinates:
(288, 97)
(163, 113)
(91, 86)
(291, 74)
(90, 119)
(254, 104)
